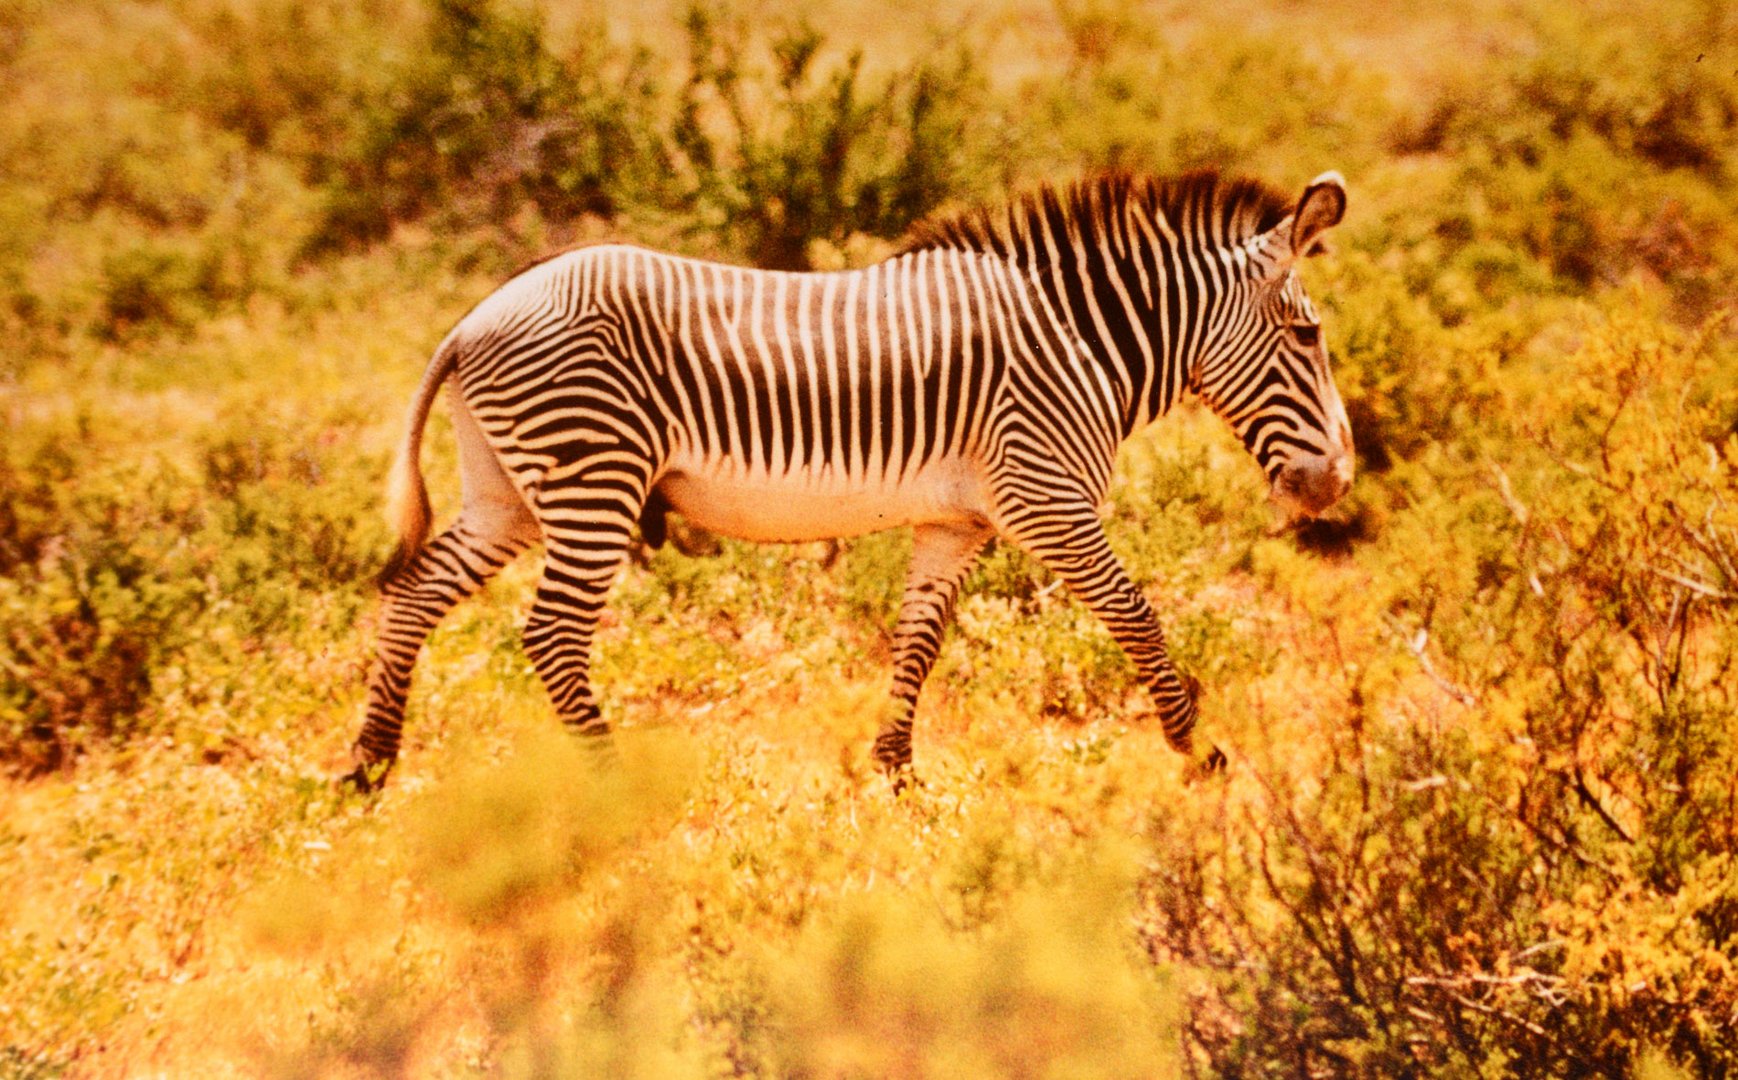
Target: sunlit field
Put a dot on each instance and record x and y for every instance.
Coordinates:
(1481, 812)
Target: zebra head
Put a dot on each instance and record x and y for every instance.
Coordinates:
(1268, 376)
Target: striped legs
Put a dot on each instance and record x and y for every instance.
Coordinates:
(941, 556)
(588, 523)
(563, 622)
(447, 570)
(1079, 554)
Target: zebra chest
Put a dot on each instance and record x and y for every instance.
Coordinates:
(799, 505)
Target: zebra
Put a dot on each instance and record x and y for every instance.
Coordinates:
(975, 384)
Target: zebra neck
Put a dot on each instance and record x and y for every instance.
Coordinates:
(1144, 318)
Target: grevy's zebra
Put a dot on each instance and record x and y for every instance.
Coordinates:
(977, 383)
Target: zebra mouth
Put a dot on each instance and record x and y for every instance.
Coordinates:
(1304, 490)
(1289, 509)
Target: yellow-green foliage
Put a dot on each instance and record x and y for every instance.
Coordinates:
(1482, 812)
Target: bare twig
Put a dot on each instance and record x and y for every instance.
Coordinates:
(1592, 802)
(1691, 584)
(1415, 644)
(1516, 507)
(1491, 1010)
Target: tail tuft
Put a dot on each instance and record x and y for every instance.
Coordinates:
(409, 514)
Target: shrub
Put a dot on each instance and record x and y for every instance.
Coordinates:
(84, 614)
(1529, 876)
(1231, 99)
(1648, 96)
(1600, 151)
(488, 116)
(132, 213)
(114, 564)
(809, 153)
(1478, 818)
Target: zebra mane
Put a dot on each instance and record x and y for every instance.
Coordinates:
(1204, 204)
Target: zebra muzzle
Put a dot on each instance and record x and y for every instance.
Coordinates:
(1307, 487)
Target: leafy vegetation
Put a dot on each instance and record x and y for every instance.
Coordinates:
(1480, 819)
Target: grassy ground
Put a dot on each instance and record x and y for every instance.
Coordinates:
(1480, 816)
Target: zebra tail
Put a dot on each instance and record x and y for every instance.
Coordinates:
(407, 506)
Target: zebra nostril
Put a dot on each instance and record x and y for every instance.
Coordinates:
(1342, 474)
(1342, 480)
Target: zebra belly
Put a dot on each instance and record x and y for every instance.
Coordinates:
(796, 507)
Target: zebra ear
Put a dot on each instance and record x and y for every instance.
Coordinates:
(1321, 208)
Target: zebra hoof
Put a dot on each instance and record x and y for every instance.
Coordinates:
(899, 773)
(367, 778)
(1212, 765)
(904, 780)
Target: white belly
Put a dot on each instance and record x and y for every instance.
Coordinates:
(758, 506)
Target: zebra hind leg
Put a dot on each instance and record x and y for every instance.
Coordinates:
(941, 556)
(588, 539)
(493, 528)
(447, 570)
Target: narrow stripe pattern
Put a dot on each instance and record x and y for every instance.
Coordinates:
(975, 384)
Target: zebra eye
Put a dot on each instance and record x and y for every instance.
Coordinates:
(1307, 334)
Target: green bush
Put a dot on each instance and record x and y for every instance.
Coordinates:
(115, 564)
(1649, 96)
(805, 153)
(86, 611)
(1130, 98)
(488, 115)
(1597, 150)
(127, 212)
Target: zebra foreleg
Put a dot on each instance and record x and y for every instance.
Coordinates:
(447, 570)
(941, 556)
(1081, 556)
